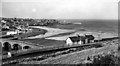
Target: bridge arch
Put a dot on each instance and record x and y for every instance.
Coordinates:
(6, 46)
(17, 47)
(14, 45)
(26, 47)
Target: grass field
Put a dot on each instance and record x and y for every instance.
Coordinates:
(34, 32)
(44, 42)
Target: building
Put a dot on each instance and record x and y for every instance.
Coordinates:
(11, 33)
(3, 21)
(24, 28)
(89, 38)
(79, 39)
(75, 40)
(4, 25)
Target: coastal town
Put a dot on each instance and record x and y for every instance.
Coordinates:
(59, 33)
(20, 37)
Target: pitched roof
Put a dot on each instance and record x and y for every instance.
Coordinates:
(77, 38)
(91, 37)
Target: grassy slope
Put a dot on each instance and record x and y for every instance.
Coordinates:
(76, 57)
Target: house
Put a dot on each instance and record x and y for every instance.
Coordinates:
(5, 26)
(23, 28)
(20, 27)
(89, 38)
(12, 32)
(80, 39)
(3, 21)
(75, 40)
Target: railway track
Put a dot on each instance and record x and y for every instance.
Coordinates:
(46, 53)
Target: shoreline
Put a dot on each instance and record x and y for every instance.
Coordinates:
(56, 33)
(50, 32)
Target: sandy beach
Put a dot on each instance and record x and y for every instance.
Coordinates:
(51, 31)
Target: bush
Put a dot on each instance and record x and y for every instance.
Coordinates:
(108, 60)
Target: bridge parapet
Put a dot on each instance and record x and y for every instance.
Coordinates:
(21, 43)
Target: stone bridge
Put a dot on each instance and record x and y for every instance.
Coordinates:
(24, 45)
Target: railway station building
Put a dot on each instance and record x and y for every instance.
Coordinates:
(80, 39)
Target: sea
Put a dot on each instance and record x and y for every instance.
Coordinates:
(93, 25)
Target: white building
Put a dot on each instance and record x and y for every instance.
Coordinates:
(75, 40)
(11, 33)
(80, 39)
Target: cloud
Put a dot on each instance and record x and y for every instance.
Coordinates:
(71, 9)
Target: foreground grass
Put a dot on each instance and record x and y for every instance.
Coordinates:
(75, 57)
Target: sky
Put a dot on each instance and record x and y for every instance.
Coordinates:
(60, 9)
